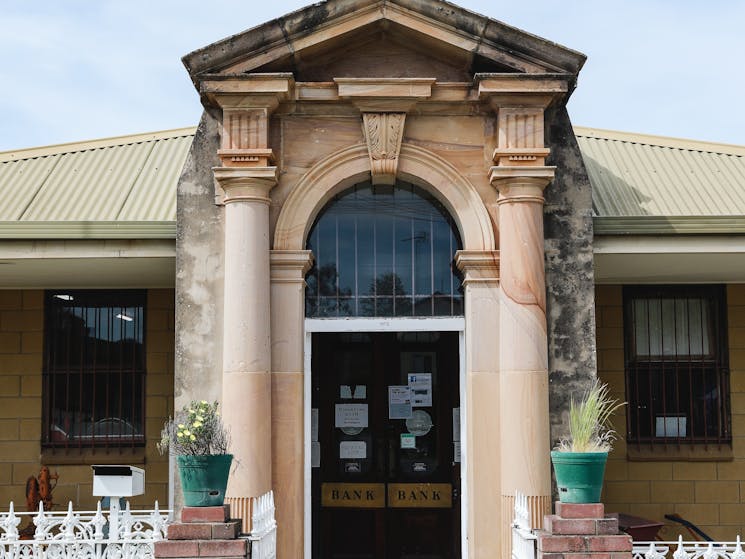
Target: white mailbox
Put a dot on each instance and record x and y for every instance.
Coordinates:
(118, 481)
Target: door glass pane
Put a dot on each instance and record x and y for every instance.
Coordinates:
(383, 251)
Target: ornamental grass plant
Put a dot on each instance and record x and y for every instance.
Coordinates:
(590, 428)
(197, 430)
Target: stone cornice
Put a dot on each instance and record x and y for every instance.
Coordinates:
(248, 90)
(521, 90)
(290, 266)
(478, 266)
(245, 184)
(384, 94)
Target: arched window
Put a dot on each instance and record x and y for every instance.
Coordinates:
(383, 251)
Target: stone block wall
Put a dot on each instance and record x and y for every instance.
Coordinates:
(708, 492)
(21, 455)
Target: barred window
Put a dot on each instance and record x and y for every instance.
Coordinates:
(94, 369)
(677, 377)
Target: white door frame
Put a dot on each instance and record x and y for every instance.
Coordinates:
(449, 324)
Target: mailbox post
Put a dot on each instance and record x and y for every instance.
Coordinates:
(115, 482)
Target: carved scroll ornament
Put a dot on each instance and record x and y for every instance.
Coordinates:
(383, 132)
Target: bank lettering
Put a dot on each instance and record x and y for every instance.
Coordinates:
(420, 495)
(353, 495)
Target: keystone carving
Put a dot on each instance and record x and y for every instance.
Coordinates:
(383, 132)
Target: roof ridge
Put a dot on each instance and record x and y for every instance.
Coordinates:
(660, 141)
(85, 145)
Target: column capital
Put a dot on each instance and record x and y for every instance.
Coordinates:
(290, 266)
(520, 184)
(244, 184)
(478, 266)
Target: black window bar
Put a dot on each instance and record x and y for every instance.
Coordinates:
(94, 369)
(676, 355)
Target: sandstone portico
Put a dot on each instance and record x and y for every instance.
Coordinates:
(379, 105)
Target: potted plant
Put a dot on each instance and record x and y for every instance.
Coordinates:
(579, 460)
(199, 439)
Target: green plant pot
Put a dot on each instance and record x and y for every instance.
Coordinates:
(204, 479)
(579, 475)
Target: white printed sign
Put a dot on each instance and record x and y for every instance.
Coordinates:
(420, 385)
(314, 424)
(350, 415)
(353, 449)
(399, 402)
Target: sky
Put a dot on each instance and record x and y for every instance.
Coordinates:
(82, 69)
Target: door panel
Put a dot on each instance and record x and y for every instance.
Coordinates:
(387, 484)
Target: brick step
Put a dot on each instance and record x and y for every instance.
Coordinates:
(557, 525)
(201, 548)
(204, 530)
(205, 514)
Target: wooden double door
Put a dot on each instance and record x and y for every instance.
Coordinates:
(385, 445)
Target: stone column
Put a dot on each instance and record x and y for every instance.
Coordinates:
(243, 184)
(246, 384)
(288, 268)
(522, 336)
(520, 175)
(481, 448)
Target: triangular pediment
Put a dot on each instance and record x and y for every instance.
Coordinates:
(393, 38)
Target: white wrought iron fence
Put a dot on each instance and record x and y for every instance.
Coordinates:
(523, 539)
(123, 534)
(688, 550)
(263, 535)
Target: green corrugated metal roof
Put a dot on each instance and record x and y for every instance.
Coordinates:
(125, 187)
(650, 184)
(121, 187)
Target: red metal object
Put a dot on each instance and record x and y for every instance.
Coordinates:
(640, 529)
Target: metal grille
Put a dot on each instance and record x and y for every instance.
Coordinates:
(677, 377)
(94, 369)
(383, 251)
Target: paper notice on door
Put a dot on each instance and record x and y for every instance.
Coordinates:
(420, 385)
(352, 449)
(456, 452)
(360, 392)
(350, 415)
(399, 402)
(456, 424)
(314, 424)
(315, 455)
(345, 392)
(408, 440)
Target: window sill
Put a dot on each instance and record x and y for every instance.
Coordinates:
(57, 456)
(685, 452)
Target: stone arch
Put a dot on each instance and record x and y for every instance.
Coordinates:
(351, 165)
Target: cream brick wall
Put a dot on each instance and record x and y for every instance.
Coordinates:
(711, 494)
(21, 346)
